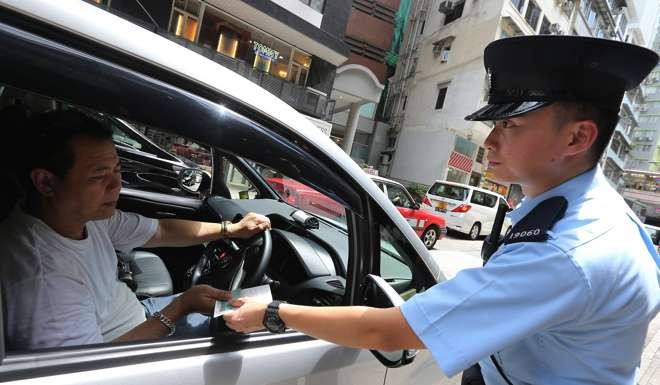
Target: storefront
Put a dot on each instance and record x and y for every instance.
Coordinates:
(213, 29)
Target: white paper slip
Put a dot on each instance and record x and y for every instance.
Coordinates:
(258, 293)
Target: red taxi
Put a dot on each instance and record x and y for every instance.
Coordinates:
(430, 227)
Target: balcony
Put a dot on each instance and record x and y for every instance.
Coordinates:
(304, 99)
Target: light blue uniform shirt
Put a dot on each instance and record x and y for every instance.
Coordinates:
(572, 310)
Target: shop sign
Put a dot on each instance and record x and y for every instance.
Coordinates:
(265, 51)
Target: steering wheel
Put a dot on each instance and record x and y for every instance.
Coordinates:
(234, 261)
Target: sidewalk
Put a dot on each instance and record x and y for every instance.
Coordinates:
(650, 367)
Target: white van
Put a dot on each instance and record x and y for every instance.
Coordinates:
(467, 209)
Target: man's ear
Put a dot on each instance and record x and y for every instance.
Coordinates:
(582, 135)
(43, 181)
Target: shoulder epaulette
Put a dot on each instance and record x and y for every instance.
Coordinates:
(535, 225)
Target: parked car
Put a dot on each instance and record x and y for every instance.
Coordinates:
(428, 225)
(466, 209)
(70, 54)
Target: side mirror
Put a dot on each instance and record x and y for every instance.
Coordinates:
(377, 293)
(194, 180)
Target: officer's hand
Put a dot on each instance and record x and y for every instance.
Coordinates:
(250, 225)
(248, 317)
(201, 299)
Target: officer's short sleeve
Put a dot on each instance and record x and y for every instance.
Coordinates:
(130, 230)
(525, 287)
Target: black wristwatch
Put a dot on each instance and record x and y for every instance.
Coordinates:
(272, 320)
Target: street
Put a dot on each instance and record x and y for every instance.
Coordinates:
(456, 252)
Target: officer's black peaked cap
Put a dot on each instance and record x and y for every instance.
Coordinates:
(529, 72)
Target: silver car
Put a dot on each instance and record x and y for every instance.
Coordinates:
(69, 54)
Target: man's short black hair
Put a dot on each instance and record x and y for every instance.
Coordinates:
(606, 120)
(47, 141)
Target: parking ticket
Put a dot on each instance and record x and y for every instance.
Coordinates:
(258, 293)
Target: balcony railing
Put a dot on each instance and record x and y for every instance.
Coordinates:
(304, 99)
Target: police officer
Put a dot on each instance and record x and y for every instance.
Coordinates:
(568, 296)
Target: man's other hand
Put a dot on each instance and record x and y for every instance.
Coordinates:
(201, 299)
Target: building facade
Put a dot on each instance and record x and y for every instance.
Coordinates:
(361, 80)
(292, 48)
(441, 79)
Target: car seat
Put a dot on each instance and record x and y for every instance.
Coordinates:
(149, 275)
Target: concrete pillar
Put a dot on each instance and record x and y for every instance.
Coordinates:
(351, 128)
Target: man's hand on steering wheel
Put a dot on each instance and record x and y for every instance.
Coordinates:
(250, 225)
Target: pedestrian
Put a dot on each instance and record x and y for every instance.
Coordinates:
(568, 296)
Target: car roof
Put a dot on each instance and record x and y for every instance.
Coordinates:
(92, 23)
(469, 187)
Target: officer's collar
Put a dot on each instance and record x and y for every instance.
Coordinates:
(571, 189)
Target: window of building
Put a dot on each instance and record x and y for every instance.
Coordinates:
(533, 14)
(442, 93)
(475, 179)
(413, 67)
(623, 24)
(368, 110)
(545, 27)
(316, 5)
(456, 175)
(185, 19)
(592, 17)
(480, 155)
(518, 4)
(465, 147)
(405, 101)
(455, 12)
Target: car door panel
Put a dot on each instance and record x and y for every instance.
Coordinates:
(307, 361)
(423, 371)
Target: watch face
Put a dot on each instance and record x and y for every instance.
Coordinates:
(274, 324)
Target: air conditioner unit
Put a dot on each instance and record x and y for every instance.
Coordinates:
(444, 56)
(555, 29)
(617, 11)
(446, 6)
(567, 6)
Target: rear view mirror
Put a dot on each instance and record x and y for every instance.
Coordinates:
(377, 293)
(194, 180)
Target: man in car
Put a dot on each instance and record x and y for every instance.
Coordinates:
(59, 266)
(568, 296)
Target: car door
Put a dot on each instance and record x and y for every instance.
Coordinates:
(221, 358)
(402, 268)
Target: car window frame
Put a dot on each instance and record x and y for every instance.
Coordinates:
(89, 357)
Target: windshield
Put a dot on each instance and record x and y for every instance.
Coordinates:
(303, 197)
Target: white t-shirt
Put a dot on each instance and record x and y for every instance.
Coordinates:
(62, 292)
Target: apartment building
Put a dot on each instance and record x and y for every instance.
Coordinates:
(292, 48)
(441, 79)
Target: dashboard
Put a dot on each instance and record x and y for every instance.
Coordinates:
(307, 266)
